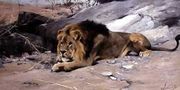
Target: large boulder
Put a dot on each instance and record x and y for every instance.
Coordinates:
(154, 19)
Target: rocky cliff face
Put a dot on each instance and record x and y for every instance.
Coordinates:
(132, 16)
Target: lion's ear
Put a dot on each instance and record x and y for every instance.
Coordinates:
(59, 31)
(77, 35)
(58, 35)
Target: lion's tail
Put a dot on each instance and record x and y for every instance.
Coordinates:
(177, 38)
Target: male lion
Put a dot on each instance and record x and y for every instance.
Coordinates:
(83, 43)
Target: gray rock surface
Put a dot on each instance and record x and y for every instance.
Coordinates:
(153, 14)
(156, 20)
(102, 13)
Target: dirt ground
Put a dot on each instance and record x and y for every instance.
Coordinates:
(9, 12)
(159, 71)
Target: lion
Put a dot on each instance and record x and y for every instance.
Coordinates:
(81, 44)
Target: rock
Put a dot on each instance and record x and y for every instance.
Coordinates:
(7, 60)
(102, 13)
(106, 73)
(22, 59)
(124, 23)
(30, 83)
(158, 10)
(134, 62)
(32, 57)
(132, 23)
(47, 52)
(145, 24)
(109, 74)
(113, 78)
(128, 66)
(25, 54)
(111, 61)
(29, 22)
(158, 35)
(20, 43)
(15, 59)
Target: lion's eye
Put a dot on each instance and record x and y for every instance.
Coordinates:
(70, 44)
(60, 44)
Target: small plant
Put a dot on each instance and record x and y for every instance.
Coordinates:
(52, 3)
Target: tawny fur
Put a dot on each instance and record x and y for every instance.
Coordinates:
(83, 43)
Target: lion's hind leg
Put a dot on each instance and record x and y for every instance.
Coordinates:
(140, 44)
(125, 51)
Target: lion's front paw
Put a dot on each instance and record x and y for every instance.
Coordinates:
(145, 53)
(57, 67)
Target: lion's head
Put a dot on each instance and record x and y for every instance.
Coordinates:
(75, 41)
(69, 43)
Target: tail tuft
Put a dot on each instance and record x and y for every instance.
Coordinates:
(177, 37)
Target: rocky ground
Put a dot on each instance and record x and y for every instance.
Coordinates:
(159, 71)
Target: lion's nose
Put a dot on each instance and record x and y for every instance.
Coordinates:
(63, 51)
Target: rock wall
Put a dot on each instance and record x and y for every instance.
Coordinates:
(131, 16)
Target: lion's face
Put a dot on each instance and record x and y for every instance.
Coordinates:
(65, 50)
(68, 42)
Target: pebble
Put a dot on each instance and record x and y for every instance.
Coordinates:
(130, 66)
(134, 62)
(15, 59)
(47, 52)
(22, 59)
(35, 53)
(113, 78)
(111, 61)
(32, 57)
(25, 54)
(106, 73)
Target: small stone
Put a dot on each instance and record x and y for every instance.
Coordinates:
(113, 78)
(106, 73)
(15, 59)
(134, 62)
(25, 54)
(35, 53)
(47, 52)
(128, 66)
(7, 60)
(22, 59)
(19, 63)
(111, 61)
(32, 57)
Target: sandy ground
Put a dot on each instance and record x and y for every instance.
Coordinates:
(9, 12)
(159, 71)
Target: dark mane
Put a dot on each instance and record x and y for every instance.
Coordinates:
(96, 27)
